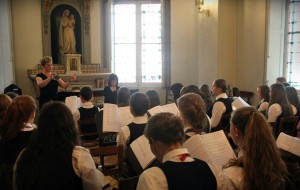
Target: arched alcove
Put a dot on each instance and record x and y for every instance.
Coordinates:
(55, 22)
(52, 13)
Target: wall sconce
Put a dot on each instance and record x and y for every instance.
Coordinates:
(199, 4)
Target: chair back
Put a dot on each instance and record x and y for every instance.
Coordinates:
(103, 152)
(288, 125)
(88, 132)
(128, 183)
(105, 138)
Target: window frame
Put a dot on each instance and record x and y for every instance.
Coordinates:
(286, 68)
(165, 42)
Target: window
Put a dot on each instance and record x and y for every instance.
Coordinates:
(136, 44)
(293, 44)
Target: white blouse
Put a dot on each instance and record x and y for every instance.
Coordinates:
(275, 111)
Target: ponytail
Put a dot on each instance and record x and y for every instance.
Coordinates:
(260, 153)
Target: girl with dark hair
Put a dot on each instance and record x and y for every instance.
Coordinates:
(263, 93)
(16, 129)
(139, 104)
(193, 112)
(153, 98)
(259, 164)
(191, 89)
(53, 159)
(110, 91)
(236, 92)
(175, 89)
(292, 96)
(177, 169)
(279, 105)
(208, 99)
(123, 97)
(222, 105)
(86, 111)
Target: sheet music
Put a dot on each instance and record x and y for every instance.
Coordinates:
(155, 110)
(73, 103)
(213, 148)
(196, 148)
(111, 119)
(288, 143)
(125, 115)
(172, 108)
(142, 151)
(239, 103)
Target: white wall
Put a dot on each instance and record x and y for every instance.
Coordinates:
(184, 44)
(251, 44)
(227, 43)
(208, 43)
(95, 32)
(27, 40)
(232, 43)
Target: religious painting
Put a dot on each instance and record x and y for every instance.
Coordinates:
(73, 64)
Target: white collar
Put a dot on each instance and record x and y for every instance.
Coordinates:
(174, 153)
(223, 95)
(28, 127)
(87, 105)
(140, 119)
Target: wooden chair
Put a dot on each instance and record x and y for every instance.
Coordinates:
(288, 125)
(103, 152)
(89, 138)
(105, 138)
(128, 183)
(246, 95)
(292, 162)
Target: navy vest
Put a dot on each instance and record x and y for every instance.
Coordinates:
(226, 101)
(136, 130)
(189, 175)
